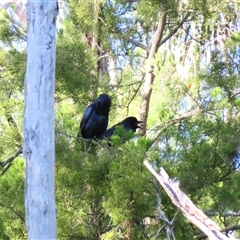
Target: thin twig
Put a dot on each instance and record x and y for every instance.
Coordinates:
(88, 140)
(163, 125)
(175, 29)
(10, 159)
(134, 95)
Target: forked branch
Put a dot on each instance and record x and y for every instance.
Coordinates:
(184, 203)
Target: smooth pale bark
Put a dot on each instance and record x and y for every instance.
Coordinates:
(39, 126)
(149, 75)
(157, 41)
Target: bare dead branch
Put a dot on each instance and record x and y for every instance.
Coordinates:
(159, 230)
(184, 203)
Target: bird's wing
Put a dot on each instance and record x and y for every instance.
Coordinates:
(128, 126)
(109, 132)
(97, 125)
(93, 124)
(86, 116)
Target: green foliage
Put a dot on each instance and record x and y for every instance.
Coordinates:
(83, 14)
(120, 136)
(124, 199)
(10, 33)
(12, 220)
(13, 62)
(108, 198)
(208, 140)
(106, 192)
(75, 68)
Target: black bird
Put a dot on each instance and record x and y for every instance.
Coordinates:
(129, 123)
(95, 118)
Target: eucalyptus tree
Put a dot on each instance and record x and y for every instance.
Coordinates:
(39, 120)
(179, 61)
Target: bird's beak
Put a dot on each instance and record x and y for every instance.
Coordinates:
(139, 122)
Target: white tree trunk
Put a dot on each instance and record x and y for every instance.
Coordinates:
(39, 126)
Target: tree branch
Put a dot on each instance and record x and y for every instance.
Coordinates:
(223, 214)
(227, 229)
(139, 44)
(10, 208)
(189, 210)
(163, 125)
(175, 29)
(192, 36)
(149, 73)
(10, 159)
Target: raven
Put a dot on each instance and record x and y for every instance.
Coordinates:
(95, 118)
(129, 123)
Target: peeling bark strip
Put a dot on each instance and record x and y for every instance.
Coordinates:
(184, 203)
(39, 126)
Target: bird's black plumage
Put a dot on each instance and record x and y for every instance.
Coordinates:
(95, 118)
(129, 123)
